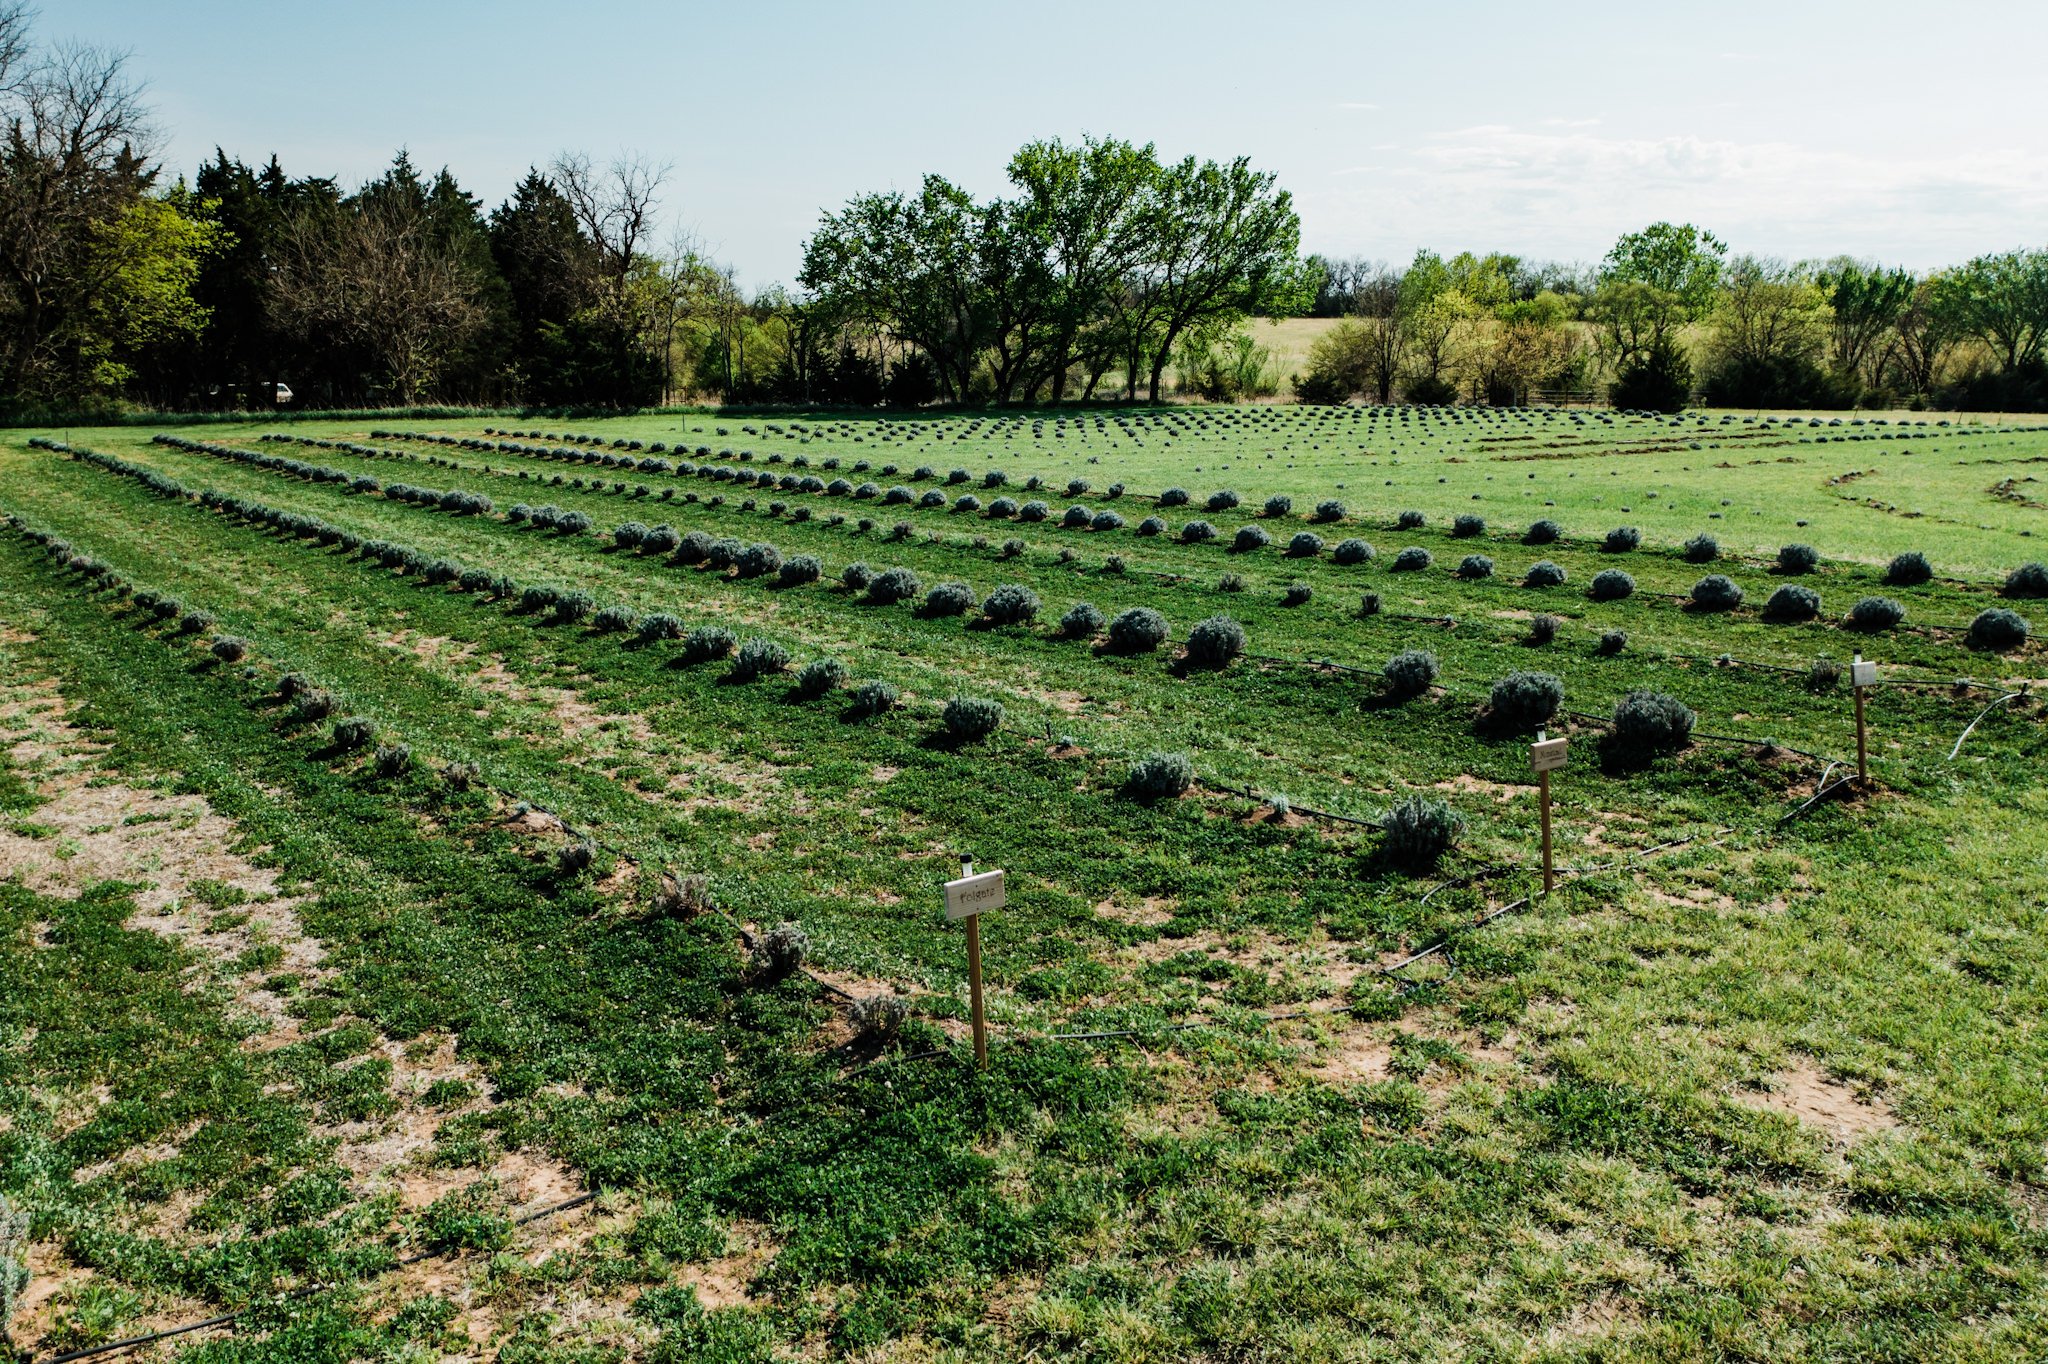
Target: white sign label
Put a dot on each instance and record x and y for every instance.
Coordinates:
(971, 895)
(1862, 674)
(1547, 755)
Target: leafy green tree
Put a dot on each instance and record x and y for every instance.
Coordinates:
(1866, 302)
(1768, 334)
(2002, 300)
(1674, 258)
(142, 268)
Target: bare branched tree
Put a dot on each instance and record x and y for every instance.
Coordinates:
(614, 205)
(78, 140)
(373, 272)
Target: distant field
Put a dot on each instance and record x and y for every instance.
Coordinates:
(281, 1010)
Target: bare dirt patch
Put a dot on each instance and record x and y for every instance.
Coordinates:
(1805, 1092)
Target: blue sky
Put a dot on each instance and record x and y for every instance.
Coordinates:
(1914, 134)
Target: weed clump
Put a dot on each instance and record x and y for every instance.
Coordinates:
(1702, 549)
(1622, 540)
(230, 649)
(1544, 573)
(1542, 532)
(1822, 675)
(391, 760)
(1296, 594)
(1467, 526)
(1796, 560)
(1248, 539)
(1410, 520)
(1613, 642)
(1543, 628)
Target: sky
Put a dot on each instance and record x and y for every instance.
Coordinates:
(1910, 134)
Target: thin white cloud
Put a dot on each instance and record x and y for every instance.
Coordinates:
(1568, 194)
(1356, 104)
(1571, 122)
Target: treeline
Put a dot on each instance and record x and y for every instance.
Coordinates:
(1668, 318)
(1103, 272)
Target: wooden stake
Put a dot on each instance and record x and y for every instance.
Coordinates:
(974, 976)
(1543, 794)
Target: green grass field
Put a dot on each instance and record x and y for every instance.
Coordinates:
(327, 1034)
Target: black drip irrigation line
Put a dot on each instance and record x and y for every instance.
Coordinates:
(307, 1290)
(1247, 793)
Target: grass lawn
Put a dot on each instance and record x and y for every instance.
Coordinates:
(326, 1024)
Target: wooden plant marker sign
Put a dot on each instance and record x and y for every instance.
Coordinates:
(969, 898)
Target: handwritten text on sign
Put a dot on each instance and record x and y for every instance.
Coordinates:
(1547, 755)
(972, 895)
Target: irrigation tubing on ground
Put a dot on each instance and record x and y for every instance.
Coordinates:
(2009, 696)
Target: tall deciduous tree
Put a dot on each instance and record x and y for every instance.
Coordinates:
(75, 160)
